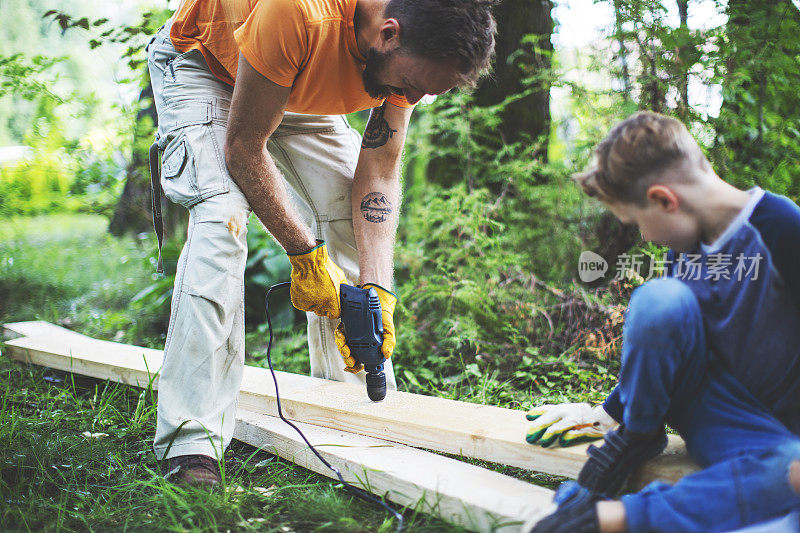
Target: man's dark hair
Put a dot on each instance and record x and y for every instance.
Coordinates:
(462, 30)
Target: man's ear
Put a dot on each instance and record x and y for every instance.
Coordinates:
(664, 197)
(390, 35)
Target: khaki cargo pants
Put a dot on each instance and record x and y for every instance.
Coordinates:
(204, 350)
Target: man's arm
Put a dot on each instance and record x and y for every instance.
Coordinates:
(376, 192)
(257, 108)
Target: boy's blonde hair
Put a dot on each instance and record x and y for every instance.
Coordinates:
(636, 152)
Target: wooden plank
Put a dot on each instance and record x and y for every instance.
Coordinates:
(473, 497)
(471, 430)
(478, 431)
(66, 350)
(34, 328)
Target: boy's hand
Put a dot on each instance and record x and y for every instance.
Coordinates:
(568, 423)
(576, 512)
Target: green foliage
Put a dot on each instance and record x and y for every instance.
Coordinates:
(24, 77)
(487, 251)
(104, 31)
(60, 175)
(758, 129)
(475, 318)
(462, 145)
(79, 159)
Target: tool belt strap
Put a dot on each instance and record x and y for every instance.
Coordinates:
(155, 187)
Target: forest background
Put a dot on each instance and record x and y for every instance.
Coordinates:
(492, 308)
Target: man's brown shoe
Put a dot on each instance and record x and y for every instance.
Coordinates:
(192, 470)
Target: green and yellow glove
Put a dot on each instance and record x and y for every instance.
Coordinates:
(568, 423)
(315, 282)
(388, 303)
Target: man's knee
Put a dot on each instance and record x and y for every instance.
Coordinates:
(661, 306)
(216, 253)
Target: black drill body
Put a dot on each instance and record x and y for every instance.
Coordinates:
(363, 330)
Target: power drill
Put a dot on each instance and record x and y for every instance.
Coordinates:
(363, 330)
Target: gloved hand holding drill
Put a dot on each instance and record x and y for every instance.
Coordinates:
(388, 303)
(315, 282)
(315, 288)
(568, 423)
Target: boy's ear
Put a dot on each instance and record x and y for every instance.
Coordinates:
(664, 197)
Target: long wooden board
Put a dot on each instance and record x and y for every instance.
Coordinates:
(34, 328)
(473, 497)
(477, 431)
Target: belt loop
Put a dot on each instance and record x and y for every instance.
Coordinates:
(155, 187)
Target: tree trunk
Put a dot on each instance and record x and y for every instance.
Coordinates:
(623, 52)
(683, 78)
(527, 118)
(520, 88)
(133, 212)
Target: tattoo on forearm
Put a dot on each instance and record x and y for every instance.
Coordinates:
(375, 207)
(377, 133)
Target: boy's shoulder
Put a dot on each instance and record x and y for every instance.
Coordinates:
(776, 213)
(767, 230)
(777, 220)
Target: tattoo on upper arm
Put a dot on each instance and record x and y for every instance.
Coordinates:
(377, 133)
(375, 207)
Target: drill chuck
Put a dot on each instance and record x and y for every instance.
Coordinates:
(376, 386)
(363, 331)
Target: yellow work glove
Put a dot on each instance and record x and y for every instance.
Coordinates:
(315, 282)
(388, 303)
(568, 423)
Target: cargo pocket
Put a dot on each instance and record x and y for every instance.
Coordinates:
(192, 169)
(178, 173)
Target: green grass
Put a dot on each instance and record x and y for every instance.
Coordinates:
(54, 478)
(68, 269)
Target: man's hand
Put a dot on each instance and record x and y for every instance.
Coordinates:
(315, 282)
(388, 303)
(568, 423)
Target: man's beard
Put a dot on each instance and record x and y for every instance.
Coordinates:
(376, 63)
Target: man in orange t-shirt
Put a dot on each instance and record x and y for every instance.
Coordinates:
(250, 96)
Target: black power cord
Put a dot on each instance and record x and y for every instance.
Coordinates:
(358, 492)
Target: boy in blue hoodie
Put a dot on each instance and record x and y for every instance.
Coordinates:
(712, 348)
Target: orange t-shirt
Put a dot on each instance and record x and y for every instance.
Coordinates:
(308, 45)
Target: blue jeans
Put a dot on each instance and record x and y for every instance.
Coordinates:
(668, 376)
